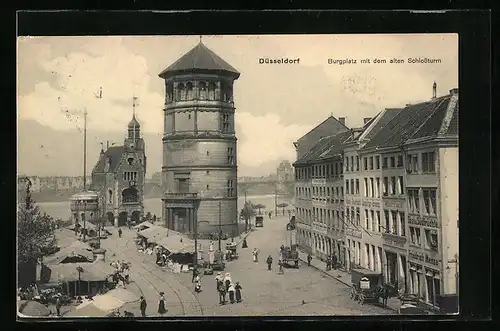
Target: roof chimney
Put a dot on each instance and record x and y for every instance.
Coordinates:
(366, 120)
(434, 90)
(342, 120)
(454, 91)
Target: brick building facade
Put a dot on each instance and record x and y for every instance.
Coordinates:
(199, 173)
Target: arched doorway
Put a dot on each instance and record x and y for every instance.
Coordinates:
(122, 218)
(110, 218)
(136, 216)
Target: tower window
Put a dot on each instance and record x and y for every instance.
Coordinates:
(130, 160)
(211, 91)
(189, 92)
(208, 187)
(203, 90)
(189, 116)
(230, 156)
(230, 189)
(208, 153)
(224, 122)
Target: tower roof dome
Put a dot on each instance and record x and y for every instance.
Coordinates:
(134, 123)
(200, 58)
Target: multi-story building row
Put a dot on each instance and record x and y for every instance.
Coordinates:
(392, 206)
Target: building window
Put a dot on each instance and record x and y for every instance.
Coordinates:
(336, 169)
(402, 224)
(358, 216)
(401, 185)
(428, 162)
(230, 156)
(346, 164)
(352, 163)
(392, 161)
(224, 122)
(378, 187)
(429, 201)
(414, 163)
(230, 189)
(372, 188)
(387, 222)
(366, 219)
(374, 221)
(352, 186)
(377, 162)
(379, 220)
(400, 161)
(394, 223)
(110, 196)
(365, 163)
(357, 163)
(393, 185)
(366, 187)
(208, 187)
(183, 185)
(386, 186)
(384, 163)
(371, 162)
(357, 186)
(347, 186)
(203, 90)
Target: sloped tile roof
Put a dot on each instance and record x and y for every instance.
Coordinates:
(115, 153)
(405, 124)
(199, 58)
(433, 123)
(453, 127)
(325, 148)
(385, 118)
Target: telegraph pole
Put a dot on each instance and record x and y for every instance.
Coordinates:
(85, 149)
(220, 227)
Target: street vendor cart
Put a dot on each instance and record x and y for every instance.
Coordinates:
(366, 285)
(232, 253)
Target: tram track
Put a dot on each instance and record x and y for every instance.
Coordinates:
(151, 271)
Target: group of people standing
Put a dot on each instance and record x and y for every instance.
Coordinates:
(226, 286)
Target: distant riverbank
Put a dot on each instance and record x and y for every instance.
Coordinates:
(64, 196)
(61, 209)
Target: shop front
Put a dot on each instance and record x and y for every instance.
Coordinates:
(425, 277)
(395, 273)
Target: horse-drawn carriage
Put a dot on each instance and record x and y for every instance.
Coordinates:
(367, 286)
(231, 249)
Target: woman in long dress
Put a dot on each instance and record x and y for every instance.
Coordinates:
(237, 290)
(161, 305)
(231, 292)
(227, 281)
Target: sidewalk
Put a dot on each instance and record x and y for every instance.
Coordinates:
(343, 277)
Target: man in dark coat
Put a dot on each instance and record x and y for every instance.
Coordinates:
(269, 262)
(195, 273)
(309, 258)
(120, 233)
(58, 306)
(143, 307)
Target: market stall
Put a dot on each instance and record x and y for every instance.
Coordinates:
(104, 305)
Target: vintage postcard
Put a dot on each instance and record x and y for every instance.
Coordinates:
(242, 175)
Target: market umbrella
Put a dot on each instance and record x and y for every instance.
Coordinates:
(33, 308)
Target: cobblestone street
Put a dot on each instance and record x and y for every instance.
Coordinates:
(303, 291)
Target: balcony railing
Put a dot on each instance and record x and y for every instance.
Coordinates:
(170, 195)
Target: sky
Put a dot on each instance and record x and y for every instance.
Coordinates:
(275, 103)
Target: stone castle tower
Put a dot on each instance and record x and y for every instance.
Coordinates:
(199, 174)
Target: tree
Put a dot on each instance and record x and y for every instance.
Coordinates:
(35, 231)
(282, 205)
(247, 213)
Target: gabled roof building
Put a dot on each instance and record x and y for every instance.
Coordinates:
(398, 202)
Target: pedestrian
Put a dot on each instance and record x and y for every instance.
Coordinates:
(327, 263)
(227, 281)
(143, 306)
(195, 273)
(218, 279)
(231, 290)
(255, 255)
(270, 214)
(222, 293)
(309, 258)
(237, 290)
(282, 248)
(269, 262)
(280, 270)
(161, 304)
(197, 284)
(126, 274)
(334, 261)
(120, 233)
(58, 305)
(244, 244)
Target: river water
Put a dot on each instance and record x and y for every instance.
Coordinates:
(153, 205)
